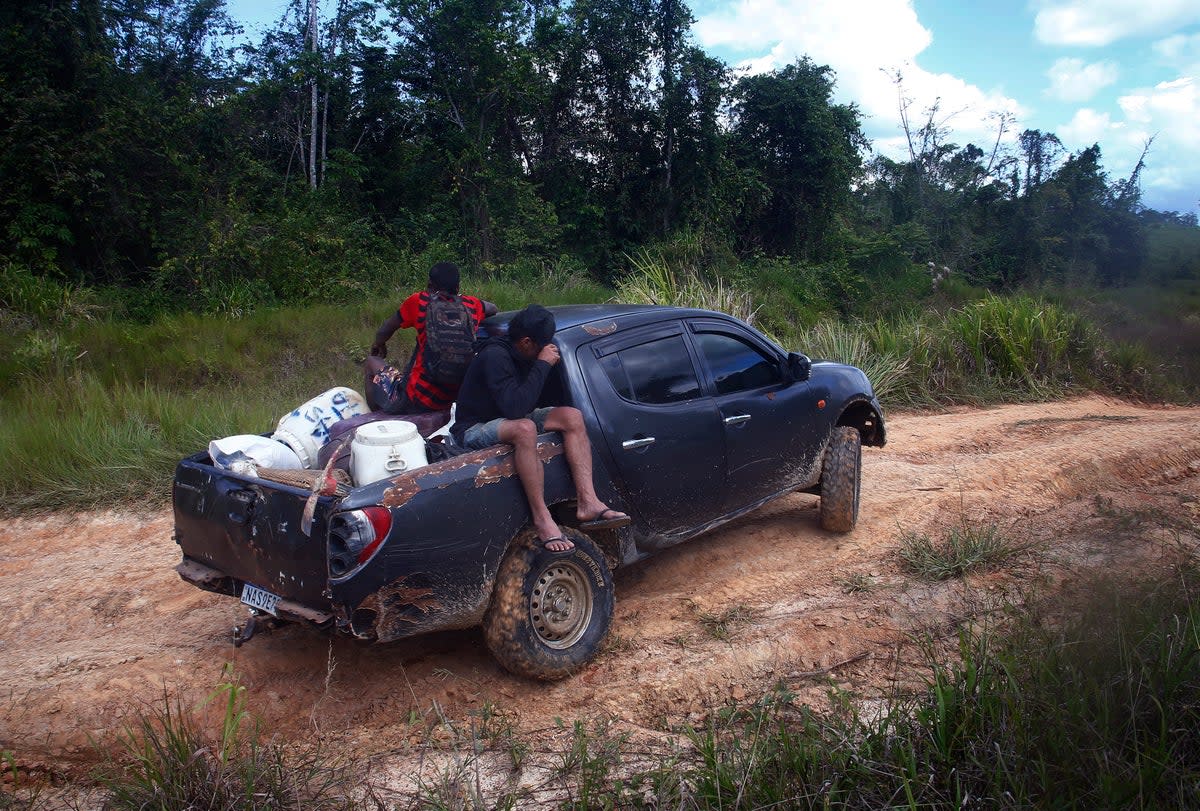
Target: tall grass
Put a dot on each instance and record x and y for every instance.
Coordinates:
(655, 281)
(991, 349)
(995, 349)
(1088, 704)
(99, 412)
(1020, 340)
(25, 297)
(887, 369)
(75, 442)
(168, 759)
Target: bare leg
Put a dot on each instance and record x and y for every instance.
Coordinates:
(371, 367)
(522, 435)
(569, 422)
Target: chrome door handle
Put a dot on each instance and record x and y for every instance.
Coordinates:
(634, 444)
(737, 420)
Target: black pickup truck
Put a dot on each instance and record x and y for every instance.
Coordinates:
(695, 418)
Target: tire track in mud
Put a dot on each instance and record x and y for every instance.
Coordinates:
(96, 625)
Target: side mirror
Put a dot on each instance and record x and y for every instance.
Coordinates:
(799, 366)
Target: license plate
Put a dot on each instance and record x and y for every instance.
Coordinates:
(258, 598)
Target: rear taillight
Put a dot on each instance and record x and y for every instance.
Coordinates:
(354, 536)
(380, 519)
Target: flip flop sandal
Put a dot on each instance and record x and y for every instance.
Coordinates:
(608, 519)
(557, 538)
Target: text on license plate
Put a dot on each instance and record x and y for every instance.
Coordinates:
(258, 598)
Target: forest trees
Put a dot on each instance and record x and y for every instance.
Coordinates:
(142, 148)
(108, 137)
(805, 152)
(1006, 217)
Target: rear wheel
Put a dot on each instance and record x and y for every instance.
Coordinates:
(840, 480)
(550, 611)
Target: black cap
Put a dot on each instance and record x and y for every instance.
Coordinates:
(535, 322)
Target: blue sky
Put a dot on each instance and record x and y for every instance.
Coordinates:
(1113, 72)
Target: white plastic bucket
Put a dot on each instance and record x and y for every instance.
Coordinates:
(386, 448)
(306, 429)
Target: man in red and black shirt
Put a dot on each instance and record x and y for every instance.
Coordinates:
(411, 391)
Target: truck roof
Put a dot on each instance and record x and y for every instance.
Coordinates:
(567, 316)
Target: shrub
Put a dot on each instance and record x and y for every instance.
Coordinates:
(166, 760)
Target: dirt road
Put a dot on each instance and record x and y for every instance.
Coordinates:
(96, 625)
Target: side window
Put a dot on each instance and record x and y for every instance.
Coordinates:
(653, 373)
(735, 364)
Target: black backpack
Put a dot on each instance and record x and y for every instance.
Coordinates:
(449, 340)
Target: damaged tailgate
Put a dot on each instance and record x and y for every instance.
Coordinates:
(236, 529)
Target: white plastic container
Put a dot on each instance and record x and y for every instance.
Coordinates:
(306, 429)
(386, 448)
(233, 452)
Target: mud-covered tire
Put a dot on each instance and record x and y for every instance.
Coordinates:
(840, 480)
(549, 611)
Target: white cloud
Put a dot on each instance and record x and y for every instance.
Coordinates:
(1180, 51)
(1101, 22)
(887, 29)
(865, 42)
(1167, 112)
(1074, 80)
(1086, 127)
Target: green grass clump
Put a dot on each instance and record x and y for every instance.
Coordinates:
(724, 624)
(964, 548)
(1019, 339)
(995, 349)
(849, 343)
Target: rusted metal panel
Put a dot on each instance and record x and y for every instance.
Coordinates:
(422, 602)
(505, 466)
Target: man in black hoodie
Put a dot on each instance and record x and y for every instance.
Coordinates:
(496, 404)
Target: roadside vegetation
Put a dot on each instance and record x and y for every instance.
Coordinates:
(99, 409)
(962, 548)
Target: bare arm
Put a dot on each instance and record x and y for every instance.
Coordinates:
(386, 330)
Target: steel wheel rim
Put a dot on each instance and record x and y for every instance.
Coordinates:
(560, 605)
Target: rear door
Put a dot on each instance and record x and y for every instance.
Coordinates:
(661, 429)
